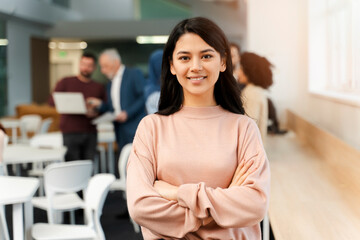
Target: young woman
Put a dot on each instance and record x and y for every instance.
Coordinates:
(198, 169)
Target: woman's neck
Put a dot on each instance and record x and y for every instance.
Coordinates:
(199, 101)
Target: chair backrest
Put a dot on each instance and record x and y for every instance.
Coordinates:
(29, 123)
(65, 177)
(45, 125)
(50, 140)
(106, 126)
(123, 159)
(95, 196)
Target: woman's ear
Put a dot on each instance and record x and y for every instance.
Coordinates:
(223, 64)
(172, 69)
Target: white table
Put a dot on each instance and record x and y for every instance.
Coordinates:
(18, 191)
(108, 137)
(14, 124)
(21, 153)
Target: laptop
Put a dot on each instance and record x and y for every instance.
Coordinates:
(69, 102)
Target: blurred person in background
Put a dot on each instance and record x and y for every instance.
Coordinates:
(125, 96)
(235, 59)
(152, 88)
(79, 134)
(257, 78)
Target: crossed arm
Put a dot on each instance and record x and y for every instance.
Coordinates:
(170, 192)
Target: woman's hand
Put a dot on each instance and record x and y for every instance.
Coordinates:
(166, 190)
(242, 172)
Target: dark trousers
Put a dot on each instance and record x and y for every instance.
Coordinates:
(272, 116)
(80, 146)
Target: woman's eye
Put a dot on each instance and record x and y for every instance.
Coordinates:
(207, 56)
(184, 58)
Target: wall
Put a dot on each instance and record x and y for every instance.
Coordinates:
(18, 65)
(231, 17)
(24, 19)
(278, 30)
(59, 59)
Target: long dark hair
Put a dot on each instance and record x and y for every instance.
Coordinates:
(226, 91)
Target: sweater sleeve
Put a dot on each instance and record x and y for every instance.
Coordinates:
(164, 218)
(237, 206)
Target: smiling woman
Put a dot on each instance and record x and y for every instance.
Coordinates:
(197, 67)
(198, 169)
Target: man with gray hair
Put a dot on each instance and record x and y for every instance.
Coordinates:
(125, 96)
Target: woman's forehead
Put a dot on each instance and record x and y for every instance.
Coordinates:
(191, 42)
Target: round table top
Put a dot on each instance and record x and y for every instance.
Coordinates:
(17, 189)
(21, 153)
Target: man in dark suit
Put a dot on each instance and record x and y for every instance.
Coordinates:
(125, 96)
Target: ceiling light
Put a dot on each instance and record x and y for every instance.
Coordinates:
(152, 39)
(68, 45)
(4, 42)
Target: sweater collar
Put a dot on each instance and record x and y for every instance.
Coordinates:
(201, 112)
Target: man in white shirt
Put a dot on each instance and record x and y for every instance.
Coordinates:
(125, 96)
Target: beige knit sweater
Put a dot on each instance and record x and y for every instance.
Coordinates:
(198, 149)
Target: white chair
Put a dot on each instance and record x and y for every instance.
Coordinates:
(4, 232)
(95, 196)
(62, 181)
(46, 140)
(120, 184)
(29, 123)
(45, 125)
(106, 135)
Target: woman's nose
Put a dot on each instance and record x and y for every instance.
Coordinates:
(196, 65)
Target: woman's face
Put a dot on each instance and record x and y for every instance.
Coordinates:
(197, 66)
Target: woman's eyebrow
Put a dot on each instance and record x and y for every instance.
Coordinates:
(203, 51)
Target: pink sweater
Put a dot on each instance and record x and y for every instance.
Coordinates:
(198, 149)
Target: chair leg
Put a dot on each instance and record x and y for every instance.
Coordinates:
(3, 225)
(111, 158)
(266, 228)
(41, 186)
(72, 217)
(58, 217)
(96, 164)
(101, 151)
(136, 226)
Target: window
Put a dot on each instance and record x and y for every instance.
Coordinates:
(334, 49)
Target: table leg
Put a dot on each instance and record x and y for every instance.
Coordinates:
(13, 135)
(111, 158)
(266, 228)
(4, 232)
(18, 224)
(29, 219)
(17, 169)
